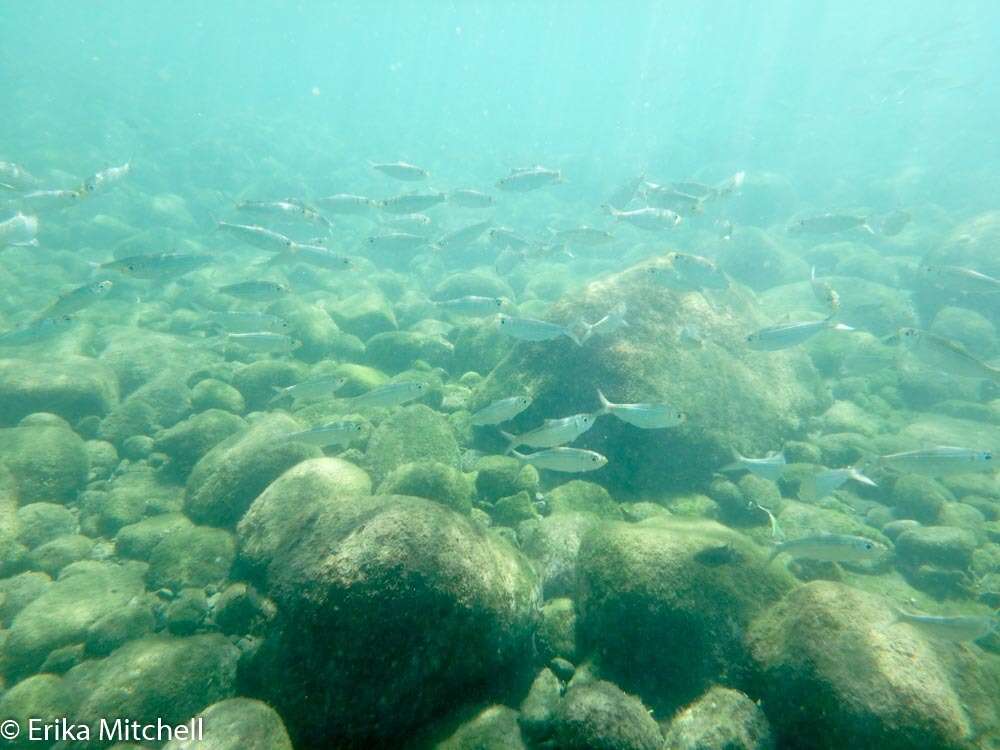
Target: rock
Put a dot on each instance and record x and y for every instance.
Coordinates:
(833, 668)
(257, 380)
(479, 347)
(371, 569)
(967, 327)
(136, 360)
(944, 546)
(664, 612)
(578, 496)
(753, 400)
(188, 441)
(189, 557)
(214, 394)
(39, 523)
(17, 592)
(56, 554)
(363, 314)
(137, 540)
(894, 528)
(434, 481)
(553, 543)
(396, 351)
(753, 258)
(102, 457)
(539, 707)
(722, 719)
(137, 447)
(963, 516)
(117, 627)
(187, 613)
(410, 434)
(510, 511)
(557, 630)
(599, 716)
(635, 512)
(846, 416)
(160, 403)
(237, 724)
(43, 697)
(312, 325)
(62, 614)
(734, 500)
(241, 610)
(494, 728)
(562, 668)
(130, 497)
(47, 463)
(472, 284)
(502, 476)
(918, 497)
(227, 478)
(358, 378)
(72, 387)
(179, 677)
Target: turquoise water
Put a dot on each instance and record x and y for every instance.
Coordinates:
(666, 417)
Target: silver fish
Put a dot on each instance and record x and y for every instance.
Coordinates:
(400, 170)
(957, 628)
(831, 548)
(648, 219)
(470, 199)
(463, 237)
(525, 179)
(51, 200)
(552, 433)
(829, 224)
(643, 416)
(389, 395)
(771, 467)
(339, 433)
(19, 230)
(505, 237)
(107, 177)
(472, 305)
(961, 279)
(247, 321)
(17, 176)
(411, 203)
(344, 203)
(582, 236)
(785, 335)
(412, 223)
(309, 389)
(395, 242)
(890, 224)
(939, 461)
(285, 209)
(666, 196)
(263, 341)
(501, 411)
(158, 265)
(695, 272)
(313, 255)
(569, 460)
(817, 486)
(530, 329)
(37, 330)
(610, 323)
(946, 355)
(260, 237)
(258, 290)
(77, 299)
(621, 197)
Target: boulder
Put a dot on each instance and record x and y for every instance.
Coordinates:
(721, 719)
(410, 434)
(47, 463)
(72, 387)
(237, 724)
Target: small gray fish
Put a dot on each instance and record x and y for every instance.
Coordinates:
(666, 196)
(395, 242)
(831, 548)
(309, 389)
(610, 323)
(824, 293)
(530, 329)
(568, 460)
(463, 237)
(389, 395)
(471, 306)
(257, 290)
(470, 199)
(643, 416)
(313, 255)
(247, 321)
(959, 628)
(785, 335)
(552, 433)
(624, 194)
(259, 237)
(961, 279)
(504, 237)
(829, 224)
(159, 266)
(583, 236)
(946, 355)
(892, 223)
(263, 341)
(19, 230)
(412, 223)
(286, 209)
(525, 179)
(695, 272)
(501, 411)
(939, 461)
(77, 299)
(400, 170)
(339, 433)
(648, 219)
(821, 484)
(17, 176)
(51, 200)
(771, 467)
(37, 330)
(411, 203)
(107, 177)
(344, 203)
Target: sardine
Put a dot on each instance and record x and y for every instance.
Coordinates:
(257, 290)
(400, 170)
(37, 330)
(530, 329)
(470, 199)
(501, 411)
(471, 306)
(395, 242)
(582, 236)
(829, 224)
(263, 341)
(77, 299)
(19, 230)
(344, 203)
(785, 335)
(552, 433)
(107, 177)
(247, 321)
(17, 176)
(339, 433)
(568, 460)
(504, 237)
(957, 628)
(389, 395)
(648, 219)
(309, 389)
(946, 355)
(961, 279)
(821, 484)
(411, 203)
(525, 179)
(313, 255)
(51, 200)
(610, 323)
(643, 416)
(259, 237)
(463, 237)
(771, 467)
(159, 266)
(285, 209)
(939, 461)
(831, 548)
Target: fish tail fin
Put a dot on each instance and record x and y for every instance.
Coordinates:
(736, 464)
(857, 472)
(867, 227)
(610, 210)
(511, 443)
(807, 489)
(775, 551)
(519, 456)
(605, 404)
(278, 393)
(573, 337)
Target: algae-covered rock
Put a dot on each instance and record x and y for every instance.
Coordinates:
(396, 351)
(512, 510)
(119, 626)
(599, 716)
(665, 612)
(372, 569)
(62, 614)
(721, 719)
(493, 728)
(733, 396)
(257, 381)
(194, 556)
(502, 476)
(918, 497)
(832, 667)
(138, 359)
(42, 697)
(187, 612)
(131, 496)
(363, 314)
(240, 609)
(47, 463)
(553, 543)
(72, 387)
(39, 523)
(578, 496)
(215, 394)
(557, 630)
(57, 553)
(17, 592)
(434, 481)
(538, 709)
(137, 540)
(160, 403)
(188, 441)
(311, 325)
(227, 479)
(944, 546)
(413, 433)
(237, 724)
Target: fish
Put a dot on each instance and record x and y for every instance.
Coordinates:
(830, 224)
(17, 176)
(401, 170)
(504, 237)
(668, 197)
(643, 416)
(945, 355)
(568, 460)
(412, 223)
(411, 203)
(389, 395)
(470, 199)
(345, 203)
(824, 293)
(77, 299)
(339, 433)
(957, 628)
(583, 236)
(51, 200)
(526, 179)
(247, 321)
(309, 389)
(158, 265)
(263, 341)
(500, 411)
(939, 461)
(463, 237)
(471, 305)
(958, 279)
(314, 255)
(37, 330)
(690, 336)
(20, 230)
(396, 241)
(610, 323)
(257, 290)
(648, 219)
(259, 237)
(821, 484)
(771, 467)
(786, 335)
(289, 208)
(695, 272)
(624, 194)
(552, 433)
(531, 329)
(890, 224)
(831, 548)
(107, 177)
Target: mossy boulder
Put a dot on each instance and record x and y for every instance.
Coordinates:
(226, 480)
(371, 569)
(119, 626)
(189, 440)
(502, 476)
(215, 394)
(943, 546)
(39, 523)
(160, 403)
(396, 351)
(257, 380)
(195, 556)
(557, 630)
(918, 497)
(46, 463)
(495, 728)
(314, 327)
(578, 496)
(665, 611)
(363, 314)
(238, 724)
(513, 509)
(721, 719)
(410, 434)
(72, 387)
(434, 481)
(57, 553)
(43, 697)
(129, 498)
(137, 540)
(19, 591)
(553, 543)
(733, 396)
(138, 356)
(600, 716)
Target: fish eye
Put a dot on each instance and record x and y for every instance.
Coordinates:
(869, 545)
(987, 456)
